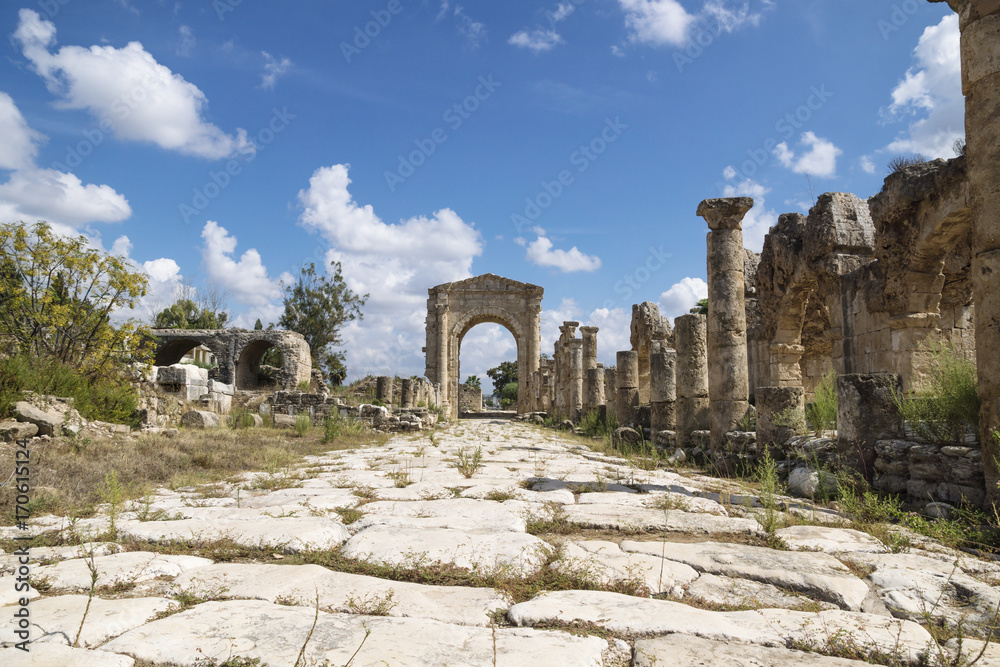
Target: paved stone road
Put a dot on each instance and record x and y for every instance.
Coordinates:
(716, 596)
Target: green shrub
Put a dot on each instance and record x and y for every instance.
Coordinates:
(240, 418)
(303, 423)
(822, 412)
(111, 399)
(947, 406)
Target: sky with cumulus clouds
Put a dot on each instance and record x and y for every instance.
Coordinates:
(226, 144)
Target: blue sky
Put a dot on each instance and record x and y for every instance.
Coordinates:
(567, 144)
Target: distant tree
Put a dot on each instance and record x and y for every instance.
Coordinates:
(318, 307)
(503, 375)
(508, 395)
(57, 296)
(473, 381)
(258, 325)
(700, 308)
(959, 147)
(186, 314)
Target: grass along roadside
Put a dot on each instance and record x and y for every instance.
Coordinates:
(71, 480)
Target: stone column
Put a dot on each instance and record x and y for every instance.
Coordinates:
(595, 389)
(979, 21)
(437, 393)
(406, 397)
(576, 379)
(690, 336)
(627, 400)
(444, 360)
(780, 414)
(728, 377)
(383, 389)
(589, 363)
(663, 389)
(558, 371)
(611, 392)
(866, 413)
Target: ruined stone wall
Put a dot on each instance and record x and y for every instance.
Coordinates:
(470, 398)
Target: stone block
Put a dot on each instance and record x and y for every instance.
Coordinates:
(866, 413)
(48, 423)
(200, 419)
(780, 414)
(12, 431)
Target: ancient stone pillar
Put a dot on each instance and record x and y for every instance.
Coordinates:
(662, 389)
(611, 392)
(627, 399)
(979, 21)
(576, 379)
(589, 363)
(866, 413)
(728, 376)
(406, 399)
(437, 394)
(595, 389)
(383, 389)
(690, 335)
(780, 413)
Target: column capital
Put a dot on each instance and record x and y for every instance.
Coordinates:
(725, 212)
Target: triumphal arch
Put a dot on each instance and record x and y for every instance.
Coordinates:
(454, 308)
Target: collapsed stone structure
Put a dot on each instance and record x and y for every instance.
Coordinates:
(239, 353)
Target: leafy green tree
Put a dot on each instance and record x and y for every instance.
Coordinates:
(258, 325)
(503, 375)
(318, 307)
(58, 295)
(186, 314)
(700, 308)
(473, 381)
(508, 395)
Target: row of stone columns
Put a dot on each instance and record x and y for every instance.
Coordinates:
(412, 392)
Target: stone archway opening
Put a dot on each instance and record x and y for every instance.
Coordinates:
(454, 308)
(258, 365)
(489, 343)
(172, 352)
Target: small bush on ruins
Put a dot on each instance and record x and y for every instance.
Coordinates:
(901, 162)
(822, 412)
(946, 407)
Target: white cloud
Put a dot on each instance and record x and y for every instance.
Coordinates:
(483, 348)
(657, 22)
(931, 92)
(142, 99)
(18, 142)
(682, 296)
(867, 165)
(246, 279)
(820, 158)
(729, 173)
(473, 31)
(563, 11)
(540, 253)
(31, 193)
(729, 15)
(187, 41)
(56, 196)
(537, 40)
(273, 68)
(394, 263)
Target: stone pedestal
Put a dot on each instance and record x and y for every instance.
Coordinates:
(663, 389)
(690, 335)
(866, 413)
(611, 392)
(728, 379)
(780, 414)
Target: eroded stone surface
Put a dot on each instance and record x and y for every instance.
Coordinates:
(290, 534)
(124, 568)
(57, 655)
(275, 634)
(690, 651)
(812, 573)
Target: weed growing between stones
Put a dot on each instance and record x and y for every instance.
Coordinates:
(113, 494)
(946, 407)
(500, 495)
(92, 567)
(822, 412)
(469, 464)
(771, 517)
(372, 604)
